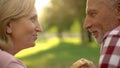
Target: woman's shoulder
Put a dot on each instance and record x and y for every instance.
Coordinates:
(6, 59)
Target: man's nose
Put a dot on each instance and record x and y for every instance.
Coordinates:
(87, 24)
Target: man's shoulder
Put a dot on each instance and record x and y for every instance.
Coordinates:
(115, 31)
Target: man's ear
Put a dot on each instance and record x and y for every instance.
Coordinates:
(9, 30)
(118, 8)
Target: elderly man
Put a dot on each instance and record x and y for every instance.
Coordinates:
(103, 21)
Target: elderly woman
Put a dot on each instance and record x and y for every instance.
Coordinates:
(18, 30)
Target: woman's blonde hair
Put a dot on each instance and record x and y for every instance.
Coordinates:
(12, 10)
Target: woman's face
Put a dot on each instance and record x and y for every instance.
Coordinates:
(24, 31)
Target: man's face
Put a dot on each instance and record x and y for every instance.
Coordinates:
(100, 18)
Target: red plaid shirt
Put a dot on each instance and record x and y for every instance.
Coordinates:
(110, 50)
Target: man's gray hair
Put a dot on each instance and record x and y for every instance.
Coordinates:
(113, 2)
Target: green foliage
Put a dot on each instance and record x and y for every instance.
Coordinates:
(75, 28)
(62, 14)
(61, 54)
(52, 30)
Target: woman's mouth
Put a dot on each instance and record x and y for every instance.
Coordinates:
(35, 37)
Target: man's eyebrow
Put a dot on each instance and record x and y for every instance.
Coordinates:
(91, 10)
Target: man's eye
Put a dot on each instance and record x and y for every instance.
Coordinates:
(92, 14)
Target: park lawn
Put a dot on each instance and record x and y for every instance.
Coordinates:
(58, 53)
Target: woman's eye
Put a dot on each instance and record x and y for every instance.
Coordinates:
(33, 20)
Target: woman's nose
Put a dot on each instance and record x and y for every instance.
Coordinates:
(38, 27)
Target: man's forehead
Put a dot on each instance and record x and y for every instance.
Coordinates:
(92, 2)
(96, 3)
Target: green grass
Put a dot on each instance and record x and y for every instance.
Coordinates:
(56, 53)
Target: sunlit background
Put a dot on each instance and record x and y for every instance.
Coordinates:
(41, 4)
(63, 40)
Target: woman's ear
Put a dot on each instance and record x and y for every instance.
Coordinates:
(9, 30)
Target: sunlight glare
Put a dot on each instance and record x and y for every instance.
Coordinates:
(41, 4)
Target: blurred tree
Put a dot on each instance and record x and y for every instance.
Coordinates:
(63, 13)
(57, 16)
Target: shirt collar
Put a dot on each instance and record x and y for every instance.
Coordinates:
(107, 33)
